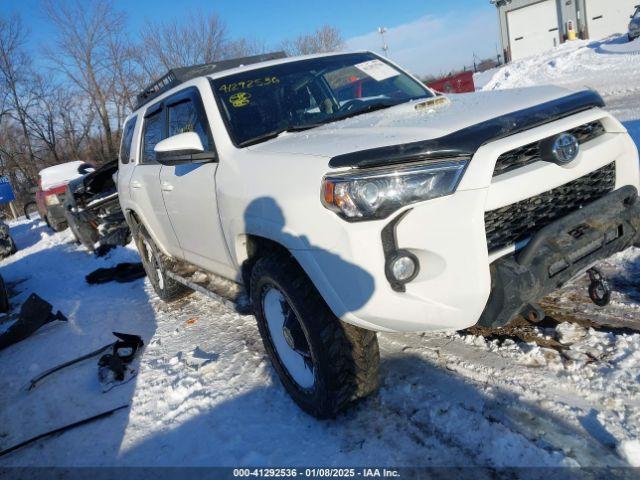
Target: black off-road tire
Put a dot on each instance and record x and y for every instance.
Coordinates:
(345, 358)
(83, 232)
(165, 287)
(5, 306)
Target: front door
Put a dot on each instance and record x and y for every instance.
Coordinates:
(189, 191)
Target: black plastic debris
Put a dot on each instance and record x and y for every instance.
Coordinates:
(121, 273)
(114, 366)
(34, 313)
(62, 429)
(126, 348)
(5, 306)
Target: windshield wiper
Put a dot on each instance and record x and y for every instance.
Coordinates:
(368, 109)
(273, 134)
(299, 128)
(262, 138)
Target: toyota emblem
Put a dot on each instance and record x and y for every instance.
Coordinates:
(565, 148)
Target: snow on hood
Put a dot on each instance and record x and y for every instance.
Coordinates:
(62, 174)
(404, 123)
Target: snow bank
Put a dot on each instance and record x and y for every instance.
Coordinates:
(622, 48)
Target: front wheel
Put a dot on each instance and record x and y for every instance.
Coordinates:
(324, 363)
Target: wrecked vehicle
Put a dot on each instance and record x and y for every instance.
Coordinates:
(405, 211)
(7, 244)
(93, 211)
(52, 186)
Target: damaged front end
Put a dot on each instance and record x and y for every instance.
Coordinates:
(559, 252)
(93, 210)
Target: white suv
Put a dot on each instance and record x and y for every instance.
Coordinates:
(344, 198)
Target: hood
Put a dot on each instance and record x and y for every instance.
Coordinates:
(406, 124)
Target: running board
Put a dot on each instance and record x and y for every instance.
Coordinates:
(217, 288)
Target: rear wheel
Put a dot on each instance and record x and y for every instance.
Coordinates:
(323, 363)
(165, 287)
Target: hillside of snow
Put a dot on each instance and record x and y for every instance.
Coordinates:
(204, 393)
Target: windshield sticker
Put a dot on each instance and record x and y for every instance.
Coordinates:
(245, 84)
(377, 70)
(240, 99)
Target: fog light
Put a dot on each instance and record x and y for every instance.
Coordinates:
(404, 267)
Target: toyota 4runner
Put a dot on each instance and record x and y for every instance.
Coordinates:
(336, 212)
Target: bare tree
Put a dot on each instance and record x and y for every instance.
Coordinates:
(244, 47)
(87, 50)
(325, 39)
(196, 39)
(15, 74)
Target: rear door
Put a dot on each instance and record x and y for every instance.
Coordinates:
(533, 29)
(145, 182)
(126, 158)
(189, 191)
(606, 17)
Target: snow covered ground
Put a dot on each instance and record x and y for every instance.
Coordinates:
(205, 393)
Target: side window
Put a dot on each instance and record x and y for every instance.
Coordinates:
(153, 128)
(185, 116)
(127, 138)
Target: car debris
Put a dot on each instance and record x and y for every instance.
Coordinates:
(93, 211)
(7, 244)
(121, 273)
(5, 306)
(62, 429)
(34, 313)
(124, 349)
(115, 367)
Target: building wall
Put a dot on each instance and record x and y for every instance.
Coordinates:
(567, 11)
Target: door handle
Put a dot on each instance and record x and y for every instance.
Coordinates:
(135, 184)
(166, 187)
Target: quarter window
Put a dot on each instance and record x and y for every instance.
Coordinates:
(127, 139)
(152, 135)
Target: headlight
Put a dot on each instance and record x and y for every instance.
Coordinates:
(377, 193)
(51, 199)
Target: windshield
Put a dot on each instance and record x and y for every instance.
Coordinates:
(262, 103)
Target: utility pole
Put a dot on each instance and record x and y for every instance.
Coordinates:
(385, 47)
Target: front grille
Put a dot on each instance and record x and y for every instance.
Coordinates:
(530, 153)
(519, 221)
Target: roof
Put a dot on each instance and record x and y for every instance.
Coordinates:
(60, 174)
(176, 76)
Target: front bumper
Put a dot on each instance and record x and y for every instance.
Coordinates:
(559, 252)
(448, 236)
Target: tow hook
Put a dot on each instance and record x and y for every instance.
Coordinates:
(599, 290)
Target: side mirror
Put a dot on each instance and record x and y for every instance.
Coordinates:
(182, 148)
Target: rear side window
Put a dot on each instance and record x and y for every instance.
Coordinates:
(153, 128)
(184, 116)
(127, 138)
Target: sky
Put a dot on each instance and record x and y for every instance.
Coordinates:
(426, 36)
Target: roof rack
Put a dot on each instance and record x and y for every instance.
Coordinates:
(176, 76)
